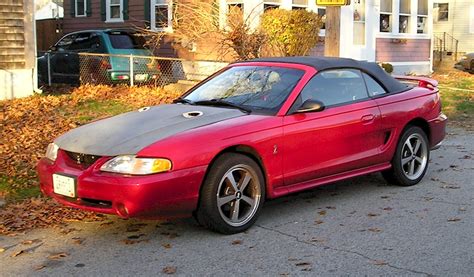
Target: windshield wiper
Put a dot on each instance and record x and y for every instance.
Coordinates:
(219, 102)
(184, 101)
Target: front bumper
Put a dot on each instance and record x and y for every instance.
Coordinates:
(171, 194)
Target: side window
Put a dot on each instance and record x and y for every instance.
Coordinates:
(333, 87)
(65, 43)
(83, 42)
(373, 87)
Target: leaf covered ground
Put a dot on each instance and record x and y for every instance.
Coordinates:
(29, 124)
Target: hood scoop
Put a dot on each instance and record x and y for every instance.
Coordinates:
(192, 114)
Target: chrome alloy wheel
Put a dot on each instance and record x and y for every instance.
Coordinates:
(238, 195)
(414, 156)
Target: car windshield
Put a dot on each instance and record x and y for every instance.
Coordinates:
(254, 88)
(121, 40)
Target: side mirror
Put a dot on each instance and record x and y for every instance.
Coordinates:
(311, 106)
(53, 48)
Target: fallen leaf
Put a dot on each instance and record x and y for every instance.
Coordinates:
(372, 214)
(2, 250)
(39, 267)
(317, 240)
(375, 230)
(29, 242)
(380, 262)
(454, 219)
(236, 242)
(450, 187)
(387, 209)
(169, 270)
(106, 223)
(135, 236)
(77, 240)
(317, 222)
(330, 207)
(18, 253)
(58, 256)
(129, 241)
(303, 264)
(166, 245)
(323, 212)
(384, 196)
(462, 209)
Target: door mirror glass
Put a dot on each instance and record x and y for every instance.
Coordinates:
(311, 105)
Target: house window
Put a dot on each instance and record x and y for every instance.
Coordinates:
(386, 16)
(114, 10)
(299, 4)
(322, 14)
(443, 11)
(235, 12)
(81, 8)
(270, 5)
(404, 16)
(422, 17)
(161, 15)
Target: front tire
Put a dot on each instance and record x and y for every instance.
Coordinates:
(232, 194)
(410, 161)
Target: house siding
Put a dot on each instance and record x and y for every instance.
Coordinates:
(395, 50)
(17, 49)
(12, 35)
(460, 23)
(94, 21)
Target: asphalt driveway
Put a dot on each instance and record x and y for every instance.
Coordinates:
(358, 227)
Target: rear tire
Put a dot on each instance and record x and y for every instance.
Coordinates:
(232, 194)
(410, 161)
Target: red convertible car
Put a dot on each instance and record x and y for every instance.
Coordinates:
(253, 131)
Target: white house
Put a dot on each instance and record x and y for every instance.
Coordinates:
(456, 19)
(393, 31)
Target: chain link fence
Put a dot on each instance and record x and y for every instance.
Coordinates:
(107, 69)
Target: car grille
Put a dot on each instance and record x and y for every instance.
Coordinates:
(83, 159)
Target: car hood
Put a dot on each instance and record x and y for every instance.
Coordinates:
(128, 133)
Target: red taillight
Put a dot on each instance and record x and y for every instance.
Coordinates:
(105, 65)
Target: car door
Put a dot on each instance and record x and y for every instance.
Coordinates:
(59, 57)
(344, 136)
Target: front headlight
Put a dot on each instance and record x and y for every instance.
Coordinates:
(52, 151)
(132, 165)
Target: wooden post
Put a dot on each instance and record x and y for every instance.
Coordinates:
(333, 31)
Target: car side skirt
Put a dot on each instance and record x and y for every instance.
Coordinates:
(328, 179)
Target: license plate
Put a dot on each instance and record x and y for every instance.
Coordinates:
(64, 185)
(141, 77)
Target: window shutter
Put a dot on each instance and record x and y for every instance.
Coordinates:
(103, 10)
(89, 8)
(125, 10)
(73, 8)
(147, 12)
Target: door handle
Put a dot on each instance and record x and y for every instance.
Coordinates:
(368, 118)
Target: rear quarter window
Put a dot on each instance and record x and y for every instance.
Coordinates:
(120, 40)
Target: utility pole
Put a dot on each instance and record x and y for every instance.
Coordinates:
(333, 31)
(333, 25)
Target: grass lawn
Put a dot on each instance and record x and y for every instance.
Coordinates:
(457, 95)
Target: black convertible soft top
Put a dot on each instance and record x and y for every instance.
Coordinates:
(322, 63)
